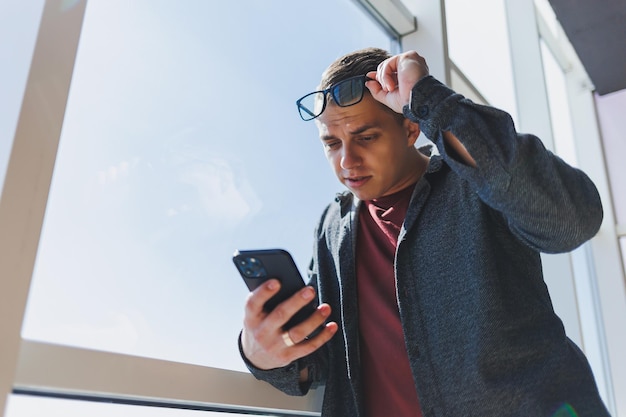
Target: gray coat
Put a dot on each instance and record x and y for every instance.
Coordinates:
(481, 334)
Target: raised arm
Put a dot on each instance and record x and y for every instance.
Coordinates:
(548, 204)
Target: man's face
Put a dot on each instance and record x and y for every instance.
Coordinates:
(370, 150)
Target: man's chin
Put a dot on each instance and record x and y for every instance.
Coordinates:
(361, 191)
(362, 194)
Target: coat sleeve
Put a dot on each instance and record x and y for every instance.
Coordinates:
(546, 203)
(286, 379)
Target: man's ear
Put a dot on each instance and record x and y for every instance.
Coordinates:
(412, 130)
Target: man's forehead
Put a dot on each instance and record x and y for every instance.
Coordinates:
(368, 109)
(335, 117)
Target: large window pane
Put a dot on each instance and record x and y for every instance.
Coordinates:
(182, 143)
(478, 43)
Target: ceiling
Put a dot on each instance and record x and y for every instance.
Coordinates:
(597, 31)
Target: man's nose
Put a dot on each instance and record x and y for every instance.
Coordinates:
(349, 157)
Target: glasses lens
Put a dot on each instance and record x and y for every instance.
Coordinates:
(311, 105)
(348, 92)
(345, 93)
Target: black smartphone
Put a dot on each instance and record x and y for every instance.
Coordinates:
(257, 266)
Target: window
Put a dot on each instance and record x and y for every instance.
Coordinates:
(478, 44)
(181, 143)
(610, 109)
(559, 107)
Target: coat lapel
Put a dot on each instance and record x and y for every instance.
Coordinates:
(348, 288)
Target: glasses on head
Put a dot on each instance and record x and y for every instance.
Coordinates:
(345, 93)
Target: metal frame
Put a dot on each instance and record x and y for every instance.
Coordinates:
(393, 16)
(29, 172)
(84, 374)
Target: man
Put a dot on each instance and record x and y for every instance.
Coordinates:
(429, 266)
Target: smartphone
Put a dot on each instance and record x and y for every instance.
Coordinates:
(257, 266)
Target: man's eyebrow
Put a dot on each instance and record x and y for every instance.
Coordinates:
(362, 129)
(356, 131)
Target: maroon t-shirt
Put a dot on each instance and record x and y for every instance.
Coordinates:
(389, 389)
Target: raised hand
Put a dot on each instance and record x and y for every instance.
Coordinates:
(395, 77)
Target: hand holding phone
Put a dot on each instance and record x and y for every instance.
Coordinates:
(266, 340)
(257, 266)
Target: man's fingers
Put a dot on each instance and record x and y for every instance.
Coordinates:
(257, 299)
(310, 345)
(316, 320)
(308, 336)
(283, 312)
(284, 354)
(266, 344)
(395, 77)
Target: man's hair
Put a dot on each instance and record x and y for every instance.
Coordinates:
(355, 63)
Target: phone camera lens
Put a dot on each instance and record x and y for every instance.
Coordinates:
(251, 267)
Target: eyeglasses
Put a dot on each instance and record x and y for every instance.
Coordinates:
(345, 93)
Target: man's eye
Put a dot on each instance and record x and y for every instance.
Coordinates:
(332, 145)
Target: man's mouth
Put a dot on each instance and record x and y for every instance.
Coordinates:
(355, 181)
